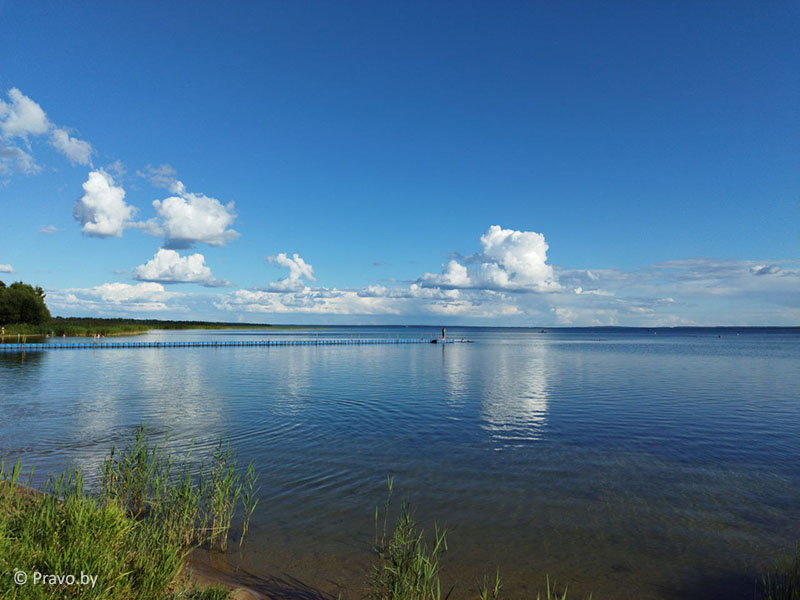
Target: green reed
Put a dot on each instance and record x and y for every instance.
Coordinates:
(249, 499)
(135, 534)
(783, 583)
(154, 484)
(407, 568)
(225, 491)
(489, 590)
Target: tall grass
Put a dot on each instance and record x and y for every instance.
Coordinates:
(407, 566)
(67, 531)
(135, 534)
(151, 483)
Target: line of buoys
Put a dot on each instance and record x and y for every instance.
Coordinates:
(208, 344)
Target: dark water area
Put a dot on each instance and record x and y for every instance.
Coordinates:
(632, 463)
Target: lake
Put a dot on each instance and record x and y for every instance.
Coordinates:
(631, 463)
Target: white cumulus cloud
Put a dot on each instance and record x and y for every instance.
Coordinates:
(102, 211)
(182, 220)
(167, 266)
(298, 270)
(195, 218)
(6, 269)
(510, 260)
(454, 275)
(187, 218)
(23, 118)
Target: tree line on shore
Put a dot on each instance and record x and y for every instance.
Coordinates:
(22, 303)
(23, 310)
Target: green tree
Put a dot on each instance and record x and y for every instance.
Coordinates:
(22, 303)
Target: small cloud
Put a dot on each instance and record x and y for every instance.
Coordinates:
(765, 269)
(163, 176)
(21, 116)
(7, 269)
(117, 169)
(565, 316)
(16, 160)
(48, 229)
(77, 151)
(298, 269)
(167, 266)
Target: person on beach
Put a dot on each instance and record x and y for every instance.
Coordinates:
(444, 331)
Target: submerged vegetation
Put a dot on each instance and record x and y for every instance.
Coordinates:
(134, 535)
(783, 583)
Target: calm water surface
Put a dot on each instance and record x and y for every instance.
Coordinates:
(625, 462)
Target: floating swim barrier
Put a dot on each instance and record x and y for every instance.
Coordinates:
(243, 344)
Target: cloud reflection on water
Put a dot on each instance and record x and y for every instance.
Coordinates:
(514, 403)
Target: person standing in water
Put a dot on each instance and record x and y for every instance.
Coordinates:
(444, 331)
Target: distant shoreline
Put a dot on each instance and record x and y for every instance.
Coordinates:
(84, 327)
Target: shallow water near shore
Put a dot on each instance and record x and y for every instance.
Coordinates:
(633, 463)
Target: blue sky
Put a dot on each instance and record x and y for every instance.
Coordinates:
(480, 163)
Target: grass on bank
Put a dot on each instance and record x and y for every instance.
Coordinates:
(81, 327)
(135, 535)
